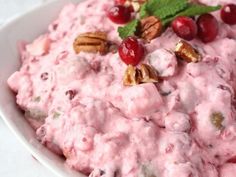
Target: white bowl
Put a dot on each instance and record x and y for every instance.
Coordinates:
(27, 27)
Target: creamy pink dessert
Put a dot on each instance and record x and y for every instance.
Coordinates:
(81, 110)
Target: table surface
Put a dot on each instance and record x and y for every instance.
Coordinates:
(15, 159)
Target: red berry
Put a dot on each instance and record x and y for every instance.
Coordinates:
(44, 76)
(208, 27)
(232, 160)
(119, 14)
(131, 51)
(71, 94)
(228, 14)
(122, 2)
(185, 27)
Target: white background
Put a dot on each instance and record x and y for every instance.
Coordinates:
(15, 161)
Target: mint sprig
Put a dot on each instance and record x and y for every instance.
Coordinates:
(196, 9)
(129, 29)
(143, 11)
(153, 5)
(192, 10)
(162, 8)
(166, 11)
(171, 9)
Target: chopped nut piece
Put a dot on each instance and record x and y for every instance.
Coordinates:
(91, 42)
(136, 6)
(186, 52)
(150, 28)
(135, 76)
(217, 119)
(132, 76)
(37, 99)
(130, 2)
(56, 115)
(149, 74)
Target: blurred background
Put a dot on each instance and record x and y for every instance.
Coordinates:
(15, 160)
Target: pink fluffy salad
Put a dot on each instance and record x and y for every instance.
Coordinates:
(81, 110)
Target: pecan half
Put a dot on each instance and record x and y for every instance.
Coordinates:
(186, 52)
(91, 42)
(135, 76)
(150, 28)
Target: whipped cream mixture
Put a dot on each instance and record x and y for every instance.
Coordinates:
(80, 109)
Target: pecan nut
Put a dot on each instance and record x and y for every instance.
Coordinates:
(150, 28)
(186, 52)
(149, 74)
(91, 42)
(132, 76)
(135, 76)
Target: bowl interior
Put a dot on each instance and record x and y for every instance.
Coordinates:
(27, 27)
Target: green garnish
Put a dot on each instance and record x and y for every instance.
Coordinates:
(192, 10)
(129, 29)
(143, 11)
(170, 9)
(166, 11)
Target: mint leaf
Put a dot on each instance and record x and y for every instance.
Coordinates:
(143, 11)
(129, 29)
(170, 9)
(164, 2)
(153, 5)
(192, 10)
(196, 9)
(167, 11)
(166, 21)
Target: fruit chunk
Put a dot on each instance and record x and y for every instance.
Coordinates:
(163, 61)
(131, 51)
(208, 28)
(141, 100)
(228, 14)
(185, 27)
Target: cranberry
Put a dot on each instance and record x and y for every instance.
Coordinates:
(207, 27)
(44, 76)
(185, 27)
(122, 2)
(232, 160)
(131, 51)
(119, 14)
(228, 14)
(71, 94)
